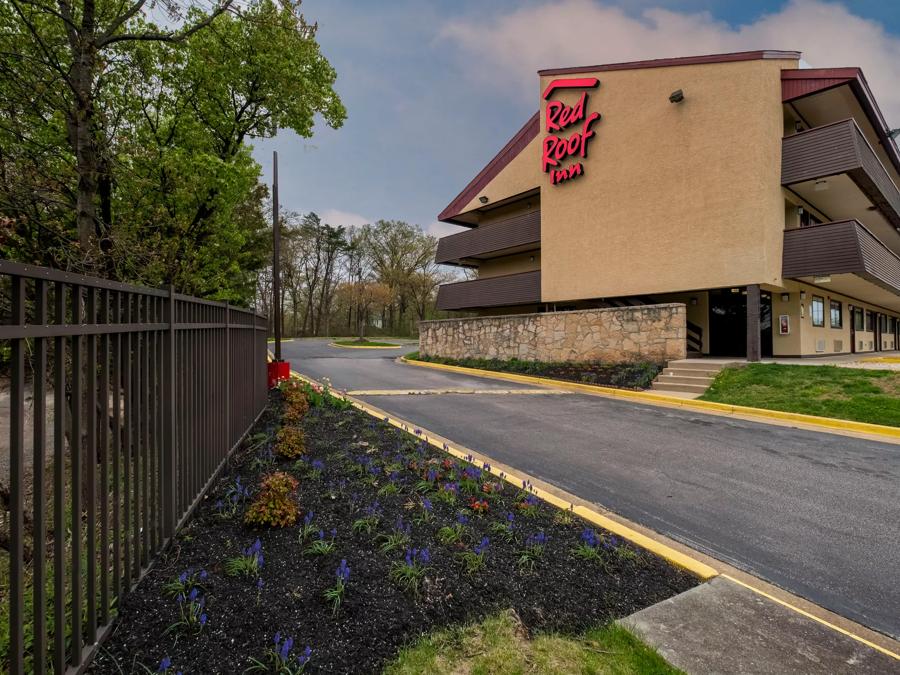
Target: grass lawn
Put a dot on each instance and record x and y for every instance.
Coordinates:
(350, 342)
(501, 645)
(829, 391)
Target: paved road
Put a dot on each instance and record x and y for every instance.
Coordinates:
(817, 514)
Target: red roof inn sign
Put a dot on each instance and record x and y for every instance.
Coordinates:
(558, 148)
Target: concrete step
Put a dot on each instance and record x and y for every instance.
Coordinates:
(680, 378)
(674, 386)
(698, 364)
(688, 372)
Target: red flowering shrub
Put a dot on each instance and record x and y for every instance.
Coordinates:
(478, 505)
(290, 442)
(274, 505)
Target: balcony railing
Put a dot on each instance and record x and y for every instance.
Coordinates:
(844, 247)
(511, 289)
(840, 148)
(516, 233)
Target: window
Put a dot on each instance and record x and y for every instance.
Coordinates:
(858, 323)
(870, 321)
(817, 311)
(837, 315)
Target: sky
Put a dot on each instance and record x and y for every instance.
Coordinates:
(434, 88)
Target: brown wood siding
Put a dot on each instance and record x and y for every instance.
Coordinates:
(844, 247)
(823, 151)
(512, 289)
(512, 232)
(835, 149)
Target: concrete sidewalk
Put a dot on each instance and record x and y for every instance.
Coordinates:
(724, 627)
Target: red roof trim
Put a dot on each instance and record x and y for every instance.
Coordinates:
(796, 84)
(515, 145)
(679, 61)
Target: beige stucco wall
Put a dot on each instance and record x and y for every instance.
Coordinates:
(803, 338)
(647, 333)
(511, 264)
(522, 174)
(674, 196)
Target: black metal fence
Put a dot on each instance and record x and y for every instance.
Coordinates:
(124, 402)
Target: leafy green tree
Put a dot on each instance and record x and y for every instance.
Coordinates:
(168, 191)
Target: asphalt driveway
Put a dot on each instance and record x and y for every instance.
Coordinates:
(817, 514)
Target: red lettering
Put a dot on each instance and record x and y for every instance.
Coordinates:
(556, 148)
(554, 108)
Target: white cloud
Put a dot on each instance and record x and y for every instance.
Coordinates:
(348, 219)
(509, 49)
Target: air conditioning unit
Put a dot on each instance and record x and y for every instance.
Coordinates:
(838, 346)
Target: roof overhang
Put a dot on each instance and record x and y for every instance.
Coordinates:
(800, 83)
(516, 144)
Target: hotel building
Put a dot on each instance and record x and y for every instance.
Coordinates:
(762, 195)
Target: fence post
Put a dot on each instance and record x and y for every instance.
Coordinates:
(228, 434)
(169, 477)
(17, 487)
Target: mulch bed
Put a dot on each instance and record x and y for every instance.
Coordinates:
(377, 617)
(621, 375)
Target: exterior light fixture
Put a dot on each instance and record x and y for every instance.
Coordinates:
(803, 295)
(483, 199)
(893, 133)
(821, 185)
(798, 126)
(676, 96)
(785, 297)
(822, 280)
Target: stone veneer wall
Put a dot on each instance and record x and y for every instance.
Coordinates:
(654, 333)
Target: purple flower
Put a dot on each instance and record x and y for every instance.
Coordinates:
(286, 648)
(165, 664)
(462, 519)
(182, 577)
(318, 465)
(203, 619)
(277, 638)
(589, 537)
(480, 547)
(308, 518)
(510, 518)
(424, 555)
(343, 571)
(193, 595)
(305, 656)
(333, 532)
(203, 574)
(426, 504)
(259, 583)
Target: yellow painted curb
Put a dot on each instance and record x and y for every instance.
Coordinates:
(814, 617)
(335, 344)
(272, 340)
(761, 414)
(678, 558)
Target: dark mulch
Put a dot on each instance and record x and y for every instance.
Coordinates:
(623, 375)
(377, 618)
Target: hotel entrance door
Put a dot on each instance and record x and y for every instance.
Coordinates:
(728, 322)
